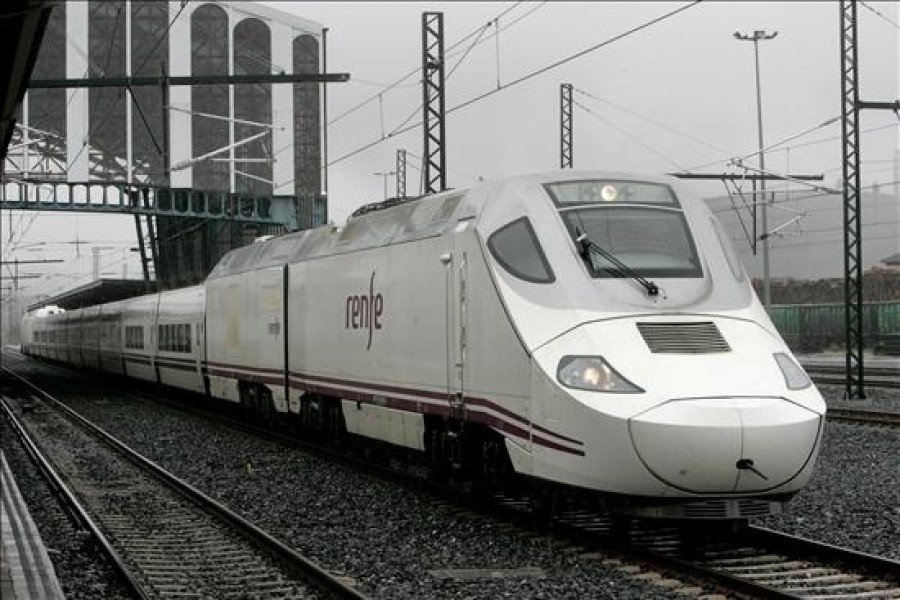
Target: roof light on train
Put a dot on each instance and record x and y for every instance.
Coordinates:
(609, 193)
(594, 374)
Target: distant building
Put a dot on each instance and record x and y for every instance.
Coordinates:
(892, 261)
(110, 134)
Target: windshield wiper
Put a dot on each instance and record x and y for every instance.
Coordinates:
(585, 246)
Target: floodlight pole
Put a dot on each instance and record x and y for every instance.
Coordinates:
(758, 35)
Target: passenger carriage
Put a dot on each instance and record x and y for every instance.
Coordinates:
(139, 329)
(112, 338)
(89, 342)
(70, 349)
(588, 330)
(178, 352)
(245, 326)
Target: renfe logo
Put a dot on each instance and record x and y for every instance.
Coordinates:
(364, 312)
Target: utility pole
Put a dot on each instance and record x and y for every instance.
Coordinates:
(757, 36)
(434, 163)
(15, 300)
(851, 106)
(566, 160)
(401, 173)
(384, 176)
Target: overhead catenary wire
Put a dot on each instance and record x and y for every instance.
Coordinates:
(655, 122)
(415, 71)
(475, 178)
(528, 76)
(879, 14)
(793, 146)
(418, 109)
(772, 146)
(633, 138)
(812, 195)
(448, 54)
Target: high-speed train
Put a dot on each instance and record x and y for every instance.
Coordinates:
(589, 331)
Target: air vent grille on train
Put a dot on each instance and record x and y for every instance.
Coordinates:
(683, 338)
(727, 509)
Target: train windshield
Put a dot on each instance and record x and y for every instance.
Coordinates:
(652, 242)
(637, 224)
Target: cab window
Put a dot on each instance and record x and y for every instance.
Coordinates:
(515, 246)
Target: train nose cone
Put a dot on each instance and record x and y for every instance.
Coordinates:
(725, 445)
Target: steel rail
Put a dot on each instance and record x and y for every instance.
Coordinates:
(302, 565)
(885, 384)
(827, 551)
(764, 542)
(860, 415)
(71, 504)
(678, 564)
(841, 370)
(499, 507)
(876, 377)
(731, 583)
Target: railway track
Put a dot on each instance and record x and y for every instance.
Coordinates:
(875, 377)
(167, 539)
(750, 562)
(753, 562)
(867, 416)
(762, 563)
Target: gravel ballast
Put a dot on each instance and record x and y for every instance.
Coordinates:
(385, 536)
(81, 568)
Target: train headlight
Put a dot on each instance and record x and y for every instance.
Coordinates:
(794, 377)
(593, 374)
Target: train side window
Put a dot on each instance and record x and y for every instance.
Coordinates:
(734, 262)
(187, 337)
(515, 246)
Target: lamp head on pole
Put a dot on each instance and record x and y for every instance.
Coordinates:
(758, 35)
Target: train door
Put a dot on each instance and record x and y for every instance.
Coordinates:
(455, 261)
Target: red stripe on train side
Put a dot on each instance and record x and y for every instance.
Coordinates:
(422, 401)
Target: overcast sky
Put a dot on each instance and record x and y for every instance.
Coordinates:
(687, 73)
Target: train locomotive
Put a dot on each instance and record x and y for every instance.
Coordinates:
(588, 331)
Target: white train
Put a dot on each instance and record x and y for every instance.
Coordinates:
(590, 330)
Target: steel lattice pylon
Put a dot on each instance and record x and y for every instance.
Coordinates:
(853, 264)
(401, 173)
(434, 169)
(565, 126)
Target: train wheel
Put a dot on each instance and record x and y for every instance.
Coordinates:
(496, 468)
(265, 405)
(249, 397)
